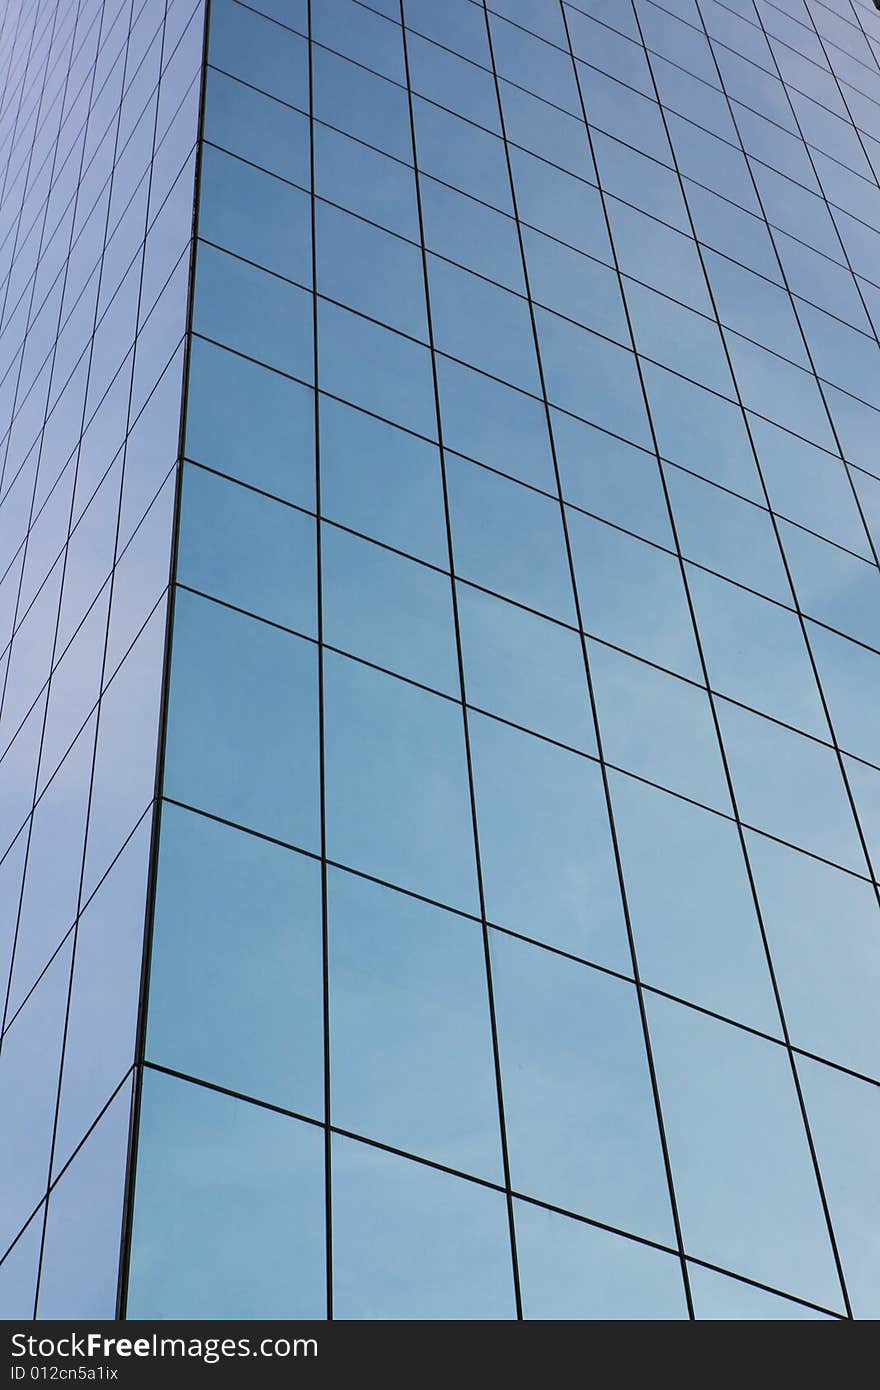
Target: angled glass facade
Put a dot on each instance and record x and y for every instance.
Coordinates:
(493, 762)
(98, 124)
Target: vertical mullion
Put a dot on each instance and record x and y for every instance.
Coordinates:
(95, 741)
(872, 874)
(487, 956)
(588, 675)
(743, 844)
(155, 830)
(325, 922)
(87, 351)
(844, 252)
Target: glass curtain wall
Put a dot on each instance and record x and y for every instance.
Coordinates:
(515, 948)
(98, 120)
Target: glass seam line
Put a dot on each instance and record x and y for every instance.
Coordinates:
(155, 829)
(2, 700)
(477, 1181)
(753, 886)
(97, 731)
(606, 789)
(493, 1022)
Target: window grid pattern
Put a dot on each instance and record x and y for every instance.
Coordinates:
(529, 479)
(98, 106)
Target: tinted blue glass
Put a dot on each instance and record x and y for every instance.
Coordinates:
(592, 378)
(372, 367)
(397, 786)
(370, 107)
(243, 1238)
(845, 1121)
(690, 902)
(412, 1242)
(494, 424)
(848, 672)
(464, 230)
(719, 1298)
(633, 595)
(804, 801)
(524, 668)
(746, 1189)
(105, 986)
(834, 586)
(18, 1271)
(248, 550)
(567, 208)
(449, 80)
(267, 776)
(755, 652)
(581, 1124)
(822, 929)
(361, 34)
(483, 325)
(266, 132)
(509, 538)
(80, 1266)
(236, 979)
(658, 727)
(261, 52)
(611, 479)
(28, 1089)
(251, 423)
(382, 481)
(370, 270)
(400, 969)
(254, 312)
(256, 215)
(575, 285)
(365, 180)
(461, 154)
(703, 432)
(545, 843)
(487, 159)
(569, 1269)
(388, 610)
(728, 535)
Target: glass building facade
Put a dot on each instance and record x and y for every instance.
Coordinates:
(439, 763)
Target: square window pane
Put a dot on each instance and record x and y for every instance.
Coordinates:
(382, 481)
(234, 747)
(693, 915)
(251, 423)
(789, 785)
(525, 668)
(412, 1242)
(376, 369)
(257, 215)
(239, 1239)
(658, 727)
(388, 610)
(258, 314)
(581, 1124)
(510, 539)
(248, 550)
(397, 784)
(236, 974)
(411, 1044)
(822, 927)
(572, 1270)
(746, 1188)
(258, 128)
(632, 595)
(545, 844)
